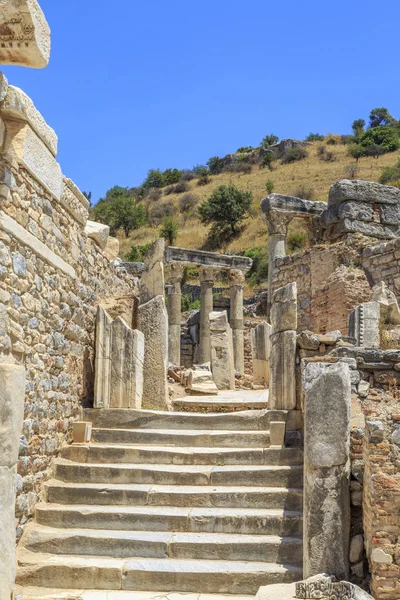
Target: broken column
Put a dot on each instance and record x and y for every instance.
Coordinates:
(327, 390)
(237, 280)
(364, 325)
(261, 350)
(278, 224)
(221, 344)
(175, 274)
(153, 322)
(12, 397)
(282, 384)
(207, 275)
(127, 357)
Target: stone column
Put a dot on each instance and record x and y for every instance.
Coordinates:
(207, 275)
(102, 361)
(261, 350)
(12, 397)
(326, 469)
(175, 274)
(237, 280)
(278, 224)
(221, 344)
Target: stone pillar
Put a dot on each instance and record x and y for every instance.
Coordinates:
(364, 325)
(261, 350)
(127, 357)
(221, 346)
(12, 397)
(237, 280)
(282, 385)
(102, 362)
(175, 274)
(278, 224)
(152, 282)
(326, 469)
(206, 307)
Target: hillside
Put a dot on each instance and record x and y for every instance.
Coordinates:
(311, 173)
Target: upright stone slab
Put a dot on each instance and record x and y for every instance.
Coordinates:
(175, 274)
(12, 397)
(102, 371)
(364, 325)
(24, 34)
(261, 350)
(127, 359)
(152, 282)
(222, 361)
(237, 280)
(326, 469)
(284, 309)
(153, 322)
(207, 276)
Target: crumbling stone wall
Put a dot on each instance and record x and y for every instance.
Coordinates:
(382, 263)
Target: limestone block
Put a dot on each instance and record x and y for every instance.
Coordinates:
(356, 548)
(112, 248)
(35, 156)
(261, 350)
(362, 191)
(74, 201)
(7, 529)
(18, 105)
(222, 362)
(364, 325)
(98, 232)
(389, 214)
(152, 283)
(153, 323)
(12, 397)
(24, 34)
(127, 358)
(277, 433)
(326, 469)
(308, 340)
(102, 359)
(200, 380)
(369, 229)
(282, 391)
(284, 308)
(387, 301)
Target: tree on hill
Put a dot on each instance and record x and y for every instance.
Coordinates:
(270, 140)
(226, 207)
(380, 117)
(169, 230)
(358, 128)
(119, 210)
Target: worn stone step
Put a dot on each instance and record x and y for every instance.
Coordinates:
(59, 492)
(154, 544)
(218, 404)
(183, 437)
(36, 593)
(237, 475)
(102, 454)
(151, 518)
(148, 419)
(199, 576)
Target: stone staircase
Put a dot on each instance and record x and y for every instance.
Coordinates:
(168, 502)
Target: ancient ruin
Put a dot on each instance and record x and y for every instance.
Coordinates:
(156, 455)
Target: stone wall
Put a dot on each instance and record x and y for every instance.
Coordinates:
(52, 277)
(382, 263)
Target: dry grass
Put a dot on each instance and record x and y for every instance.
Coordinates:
(310, 172)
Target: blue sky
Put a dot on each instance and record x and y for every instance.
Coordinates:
(156, 84)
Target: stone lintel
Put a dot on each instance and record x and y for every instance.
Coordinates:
(207, 259)
(296, 207)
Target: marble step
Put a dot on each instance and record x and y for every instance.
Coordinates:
(236, 475)
(177, 519)
(103, 454)
(199, 576)
(30, 593)
(154, 544)
(218, 404)
(59, 492)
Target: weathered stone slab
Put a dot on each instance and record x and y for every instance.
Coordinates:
(207, 259)
(362, 191)
(369, 229)
(284, 309)
(24, 34)
(12, 395)
(320, 587)
(389, 308)
(112, 248)
(261, 350)
(153, 322)
(152, 283)
(292, 204)
(282, 391)
(102, 369)
(127, 359)
(390, 214)
(98, 232)
(222, 362)
(200, 380)
(364, 325)
(327, 402)
(74, 201)
(3, 86)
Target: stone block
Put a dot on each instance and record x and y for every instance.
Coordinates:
(200, 380)
(282, 391)
(308, 340)
(98, 232)
(12, 398)
(112, 248)
(389, 214)
(362, 191)
(222, 361)
(127, 358)
(74, 201)
(102, 359)
(284, 308)
(261, 350)
(3, 86)
(24, 34)
(369, 229)
(364, 325)
(152, 282)
(277, 433)
(153, 323)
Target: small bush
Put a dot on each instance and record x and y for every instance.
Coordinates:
(259, 270)
(243, 149)
(238, 167)
(294, 154)
(216, 165)
(169, 230)
(374, 150)
(159, 211)
(187, 203)
(188, 304)
(269, 140)
(315, 137)
(356, 151)
(332, 140)
(325, 155)
(188, 175)
(390, 174)
(178, 188)
(304, 192)
(204, 180)
(269, 186)
(296, 241)
(136, 253)
(200, 170)
(266, 159)
(154, 194)
(351, 171)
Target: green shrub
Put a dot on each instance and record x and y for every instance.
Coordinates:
(374, 150)
(266, 159)
(177, 188)
(390, 174)
(172, 176)
(244, 149)
(351, 171)
(356, 151)
(216, 165)
(119, 210)
(358, 128)
(188, 304)
(169, 230)
(136, 253)
(226, 207)
(325, 155)
(269, 186)
(380, 117)
(200, 170)
(296, 241)
(188, 175)
(315, 137)
(294, 154)
(159, 211)
(383, 136)
(269, 140)
(187, 203)
(333, 139)
(259, 270)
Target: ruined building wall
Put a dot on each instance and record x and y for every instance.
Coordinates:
(382, 263)
(52, 276)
